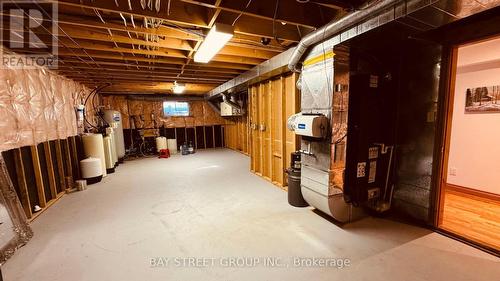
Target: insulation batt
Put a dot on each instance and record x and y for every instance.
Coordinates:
(36, 105)
(201, 113)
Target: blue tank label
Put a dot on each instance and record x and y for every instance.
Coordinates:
(302, 126)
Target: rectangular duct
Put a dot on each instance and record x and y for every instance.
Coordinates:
(421, 15)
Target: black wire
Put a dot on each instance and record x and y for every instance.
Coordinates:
(93, 92)
(85, 111)
(275, 35)
(96, 109)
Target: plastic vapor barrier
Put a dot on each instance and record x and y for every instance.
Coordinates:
(36, 105)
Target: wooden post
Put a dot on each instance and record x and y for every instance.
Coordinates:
(195, 138)
(69, 167)
(213, 135)
(205, 136)
(60, 165)
(50, 169)
(38, 176)
(21, 181)
(284, 151)
(74, 157)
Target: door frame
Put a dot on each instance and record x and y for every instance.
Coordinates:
(448, 88)
(443, 131)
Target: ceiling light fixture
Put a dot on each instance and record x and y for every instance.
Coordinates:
(216, 38)
(178, 88)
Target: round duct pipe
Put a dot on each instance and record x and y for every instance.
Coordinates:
(335, 27)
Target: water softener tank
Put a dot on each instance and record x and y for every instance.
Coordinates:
(114, 153)
(161, 143)
(108, 155)
(172, 145)
(91, 169)
(93, 146)
(114, 119)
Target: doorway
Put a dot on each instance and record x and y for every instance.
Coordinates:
(469, 201)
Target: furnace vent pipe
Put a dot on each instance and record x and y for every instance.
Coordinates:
(335, 27)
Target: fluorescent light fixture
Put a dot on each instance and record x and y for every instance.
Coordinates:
(178, 88)
(216, 38)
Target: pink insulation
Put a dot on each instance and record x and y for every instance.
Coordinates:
(151, 111)
(36, 105)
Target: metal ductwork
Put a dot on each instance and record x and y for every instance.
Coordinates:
(270, 68)
(227, 99)
(214, 106)
(420, 15)
(335, 27)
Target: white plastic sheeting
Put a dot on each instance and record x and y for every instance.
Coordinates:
(36, 105)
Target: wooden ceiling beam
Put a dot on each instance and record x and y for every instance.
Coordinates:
(81, 33)
(185, 10)
(75, 62)
(178, 61)
(160, 53)
(239, 40)
(172, 77)
(227, 54)
(112, 79)
(251, 26)
(91, 22)
(180, 13)
(73, 33)
(87, 69)
(162, 87)
(99, 74)
(172, 53)
(214, 13)
(289, 11)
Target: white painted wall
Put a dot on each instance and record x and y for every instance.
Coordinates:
(475, 138)
(479, 52)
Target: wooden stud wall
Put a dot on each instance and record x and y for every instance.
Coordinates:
(236, 134)
(271, 103)
(42, 173)
(200, 136)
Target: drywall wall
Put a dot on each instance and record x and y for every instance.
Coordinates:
(36, 105)
(475, 137)
(151, 110)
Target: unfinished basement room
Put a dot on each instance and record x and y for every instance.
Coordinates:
(232, 140)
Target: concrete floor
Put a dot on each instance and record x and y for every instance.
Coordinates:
(209, 205)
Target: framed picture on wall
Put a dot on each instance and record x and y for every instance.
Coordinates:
(482, 100)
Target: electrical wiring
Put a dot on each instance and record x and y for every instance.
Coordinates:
(93, 92)
(275, 35)
(238, 17)
(96, 109)
(85, 112)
